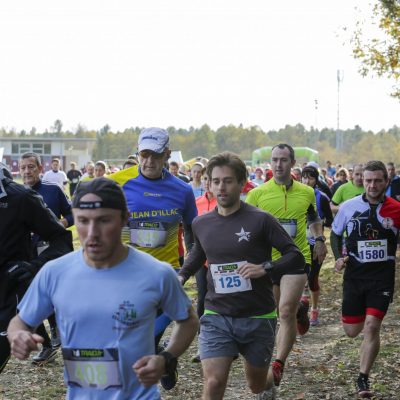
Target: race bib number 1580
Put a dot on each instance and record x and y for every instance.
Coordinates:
(372, 250)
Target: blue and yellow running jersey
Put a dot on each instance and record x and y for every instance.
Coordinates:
(156, 208)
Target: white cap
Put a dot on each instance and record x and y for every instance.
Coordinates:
(154, 139)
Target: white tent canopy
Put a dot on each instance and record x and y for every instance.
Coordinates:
(176, 155)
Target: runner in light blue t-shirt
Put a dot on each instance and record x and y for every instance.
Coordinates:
(106, 298)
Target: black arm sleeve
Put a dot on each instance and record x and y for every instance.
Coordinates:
(324, 188)
(40, 220)
(66, 209)
(326, 209)
(188, 236)
(289, 262)
(312, 215)
(292, 259)
(336, 245)
(195, 260)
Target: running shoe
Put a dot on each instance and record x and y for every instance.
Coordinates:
(269, 394)
(303, 322)
(46, 355)
(55, 338)
(363, 388)
(196, 358)
(314, 321)
(277, 372)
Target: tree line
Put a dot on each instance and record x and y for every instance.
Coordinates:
(358, 145)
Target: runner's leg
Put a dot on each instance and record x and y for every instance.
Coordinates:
(370, 344)
(256, 377)
(291, 288)
(215, 373)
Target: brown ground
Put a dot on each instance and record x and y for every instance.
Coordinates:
(323, 364)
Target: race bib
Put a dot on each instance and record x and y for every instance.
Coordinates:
(289, 225)
(92, 368)
(227, 279)
(148, 233)
(372, 250)
(74, 180)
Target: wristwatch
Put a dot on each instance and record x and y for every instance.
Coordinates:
(320, 239)
(171, 362)
(267, 266)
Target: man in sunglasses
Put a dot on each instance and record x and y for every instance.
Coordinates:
(157, 202)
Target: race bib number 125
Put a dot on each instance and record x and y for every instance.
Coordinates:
(227, 279)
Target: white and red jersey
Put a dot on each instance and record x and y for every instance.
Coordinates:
(371, 233)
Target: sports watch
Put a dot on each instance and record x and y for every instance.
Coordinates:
(267, 266)
(171, 362)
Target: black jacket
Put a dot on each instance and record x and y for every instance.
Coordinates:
(395, 189)
(23, 212)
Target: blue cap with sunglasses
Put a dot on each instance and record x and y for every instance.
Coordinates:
(153, 139)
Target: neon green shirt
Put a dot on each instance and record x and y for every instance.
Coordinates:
(290, 207)
(346, 192)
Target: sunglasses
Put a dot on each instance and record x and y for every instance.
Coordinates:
(148, 153)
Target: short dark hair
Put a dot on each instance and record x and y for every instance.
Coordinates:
(283, 146)
(174, 164)
(375, 165)
(32, 155)
(230, 160)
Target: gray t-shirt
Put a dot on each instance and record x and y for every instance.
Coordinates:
(226, 241)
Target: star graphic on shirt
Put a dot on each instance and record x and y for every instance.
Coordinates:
(243, 235)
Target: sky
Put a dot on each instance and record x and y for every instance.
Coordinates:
(185, 63)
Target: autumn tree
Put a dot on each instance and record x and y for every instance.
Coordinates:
(380, 55)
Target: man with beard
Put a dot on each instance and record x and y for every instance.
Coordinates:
(370, 224)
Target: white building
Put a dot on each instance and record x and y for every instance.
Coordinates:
(66, 149)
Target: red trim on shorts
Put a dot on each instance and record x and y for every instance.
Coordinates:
(376, 313)
(352, 319)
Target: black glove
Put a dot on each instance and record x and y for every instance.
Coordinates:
(20, 271)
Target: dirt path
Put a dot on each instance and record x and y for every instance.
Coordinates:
(323, 364)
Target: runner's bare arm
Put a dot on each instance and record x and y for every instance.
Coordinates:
(22, 339)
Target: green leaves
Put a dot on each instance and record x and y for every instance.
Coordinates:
(381, 54)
